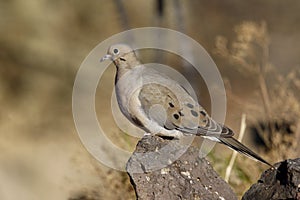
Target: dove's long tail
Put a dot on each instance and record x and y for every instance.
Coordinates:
(239, 147)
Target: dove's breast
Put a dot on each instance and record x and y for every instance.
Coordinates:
(128, 88)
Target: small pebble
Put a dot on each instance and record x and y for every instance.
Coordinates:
(164, 171)
(187, 173)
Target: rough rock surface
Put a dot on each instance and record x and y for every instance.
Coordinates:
(155, 176)
(283, 183)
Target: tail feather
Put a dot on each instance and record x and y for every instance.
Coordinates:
(239, 147)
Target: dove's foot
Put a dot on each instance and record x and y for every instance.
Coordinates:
(147, 134)
(170, 134)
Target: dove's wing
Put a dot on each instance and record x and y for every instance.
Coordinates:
(172, 107)
(175, 109)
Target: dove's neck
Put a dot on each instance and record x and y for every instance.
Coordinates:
(124, 67)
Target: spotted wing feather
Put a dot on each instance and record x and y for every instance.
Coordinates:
(179, 112)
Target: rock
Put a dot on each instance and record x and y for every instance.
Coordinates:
(154, 175)
(283, 183)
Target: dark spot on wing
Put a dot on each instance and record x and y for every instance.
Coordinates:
(194, 113)
(123, 59)
(181, 114)
(202, 113)
(171, 105)
(176, 116)
(189, 105)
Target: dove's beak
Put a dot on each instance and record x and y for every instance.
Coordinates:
(106, 57)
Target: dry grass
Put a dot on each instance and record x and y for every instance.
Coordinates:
(276, 121)
(234, 154)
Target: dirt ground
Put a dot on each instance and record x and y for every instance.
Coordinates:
(43, 43)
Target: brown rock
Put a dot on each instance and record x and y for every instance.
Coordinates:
(155, 176)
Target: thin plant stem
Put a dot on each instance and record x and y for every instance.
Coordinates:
(234, 154)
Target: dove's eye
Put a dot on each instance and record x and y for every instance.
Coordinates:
(116, 51)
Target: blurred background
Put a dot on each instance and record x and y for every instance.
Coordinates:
(255, 44)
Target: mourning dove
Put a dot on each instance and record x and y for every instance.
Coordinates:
(159, 105)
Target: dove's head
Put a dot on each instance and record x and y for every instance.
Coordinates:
(121, 54)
